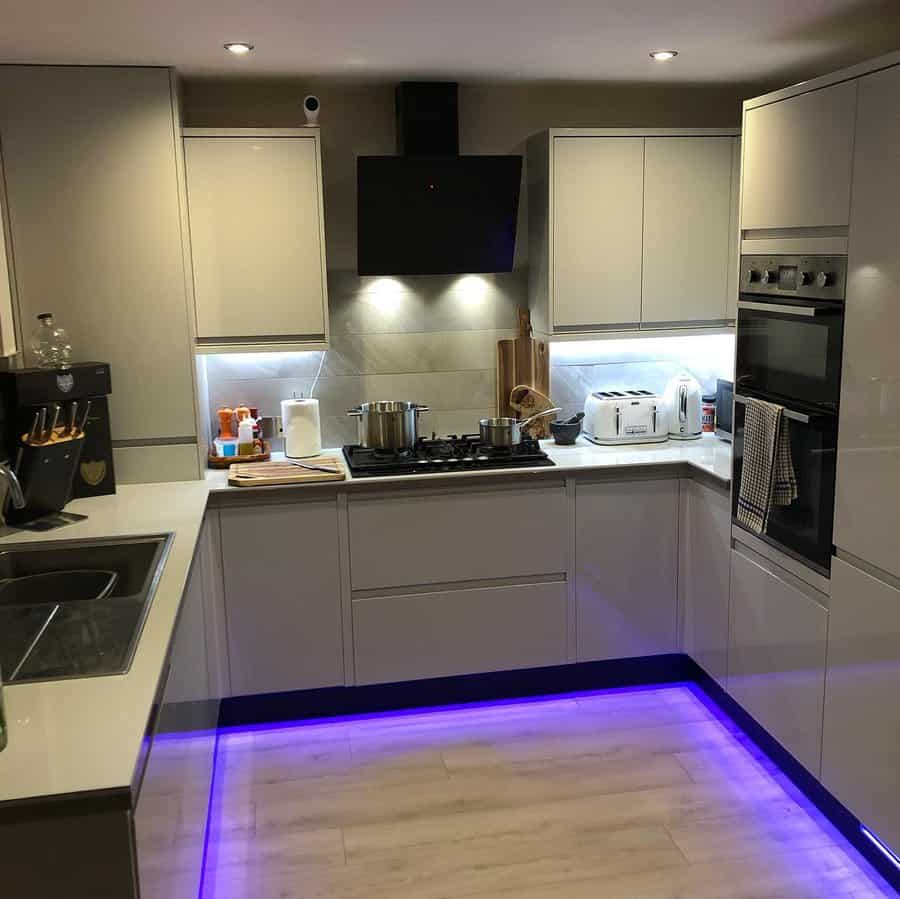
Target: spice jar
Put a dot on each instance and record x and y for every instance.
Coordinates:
(708, 413)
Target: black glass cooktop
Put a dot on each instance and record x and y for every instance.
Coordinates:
(444, 454)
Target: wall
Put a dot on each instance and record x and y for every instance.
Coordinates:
(427, 339)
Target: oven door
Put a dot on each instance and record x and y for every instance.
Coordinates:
(804, 528)
(790, 351)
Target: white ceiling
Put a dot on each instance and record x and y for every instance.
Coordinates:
(583, 40)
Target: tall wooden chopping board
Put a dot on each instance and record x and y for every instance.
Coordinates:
(522, 360)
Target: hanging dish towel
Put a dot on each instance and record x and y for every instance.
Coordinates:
(767, 475)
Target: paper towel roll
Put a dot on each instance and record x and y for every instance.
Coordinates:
(300, 426)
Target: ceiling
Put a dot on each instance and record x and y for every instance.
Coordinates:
(724, 41)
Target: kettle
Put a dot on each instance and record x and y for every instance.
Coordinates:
(683, 401)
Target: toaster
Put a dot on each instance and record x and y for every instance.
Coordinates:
(625, 416)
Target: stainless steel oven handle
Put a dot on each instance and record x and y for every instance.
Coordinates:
(788, 413)
(782, 309)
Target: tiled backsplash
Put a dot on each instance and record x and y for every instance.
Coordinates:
(433, 340)
(426, 339)
(580, 367)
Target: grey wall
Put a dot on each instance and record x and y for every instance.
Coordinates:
(427, 339)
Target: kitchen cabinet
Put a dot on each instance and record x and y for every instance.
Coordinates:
(7, 322)
(462, 631)
(257, 237)
(282, 596)
(457, 535)
(776, 653)
(862, 715)
(704, 575)
(631, 230)
(626, 561)
(867, 507)
(91, 171)
(688, 231)
(597, 192)
(797, 160)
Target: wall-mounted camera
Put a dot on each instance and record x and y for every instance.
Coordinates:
(311, 107)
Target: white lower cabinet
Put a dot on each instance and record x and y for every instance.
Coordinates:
(861, 739)
(283, 596)
(463, 631)
(626, 562)
(776, 654)
(704, 576)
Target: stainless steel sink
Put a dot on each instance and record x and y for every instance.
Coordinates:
(70, 631)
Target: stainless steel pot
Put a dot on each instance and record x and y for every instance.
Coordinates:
(388, 424)
(507, 431)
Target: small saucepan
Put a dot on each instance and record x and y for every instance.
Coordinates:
(507, 431)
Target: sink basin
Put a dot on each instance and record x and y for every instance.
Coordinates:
(99, 593)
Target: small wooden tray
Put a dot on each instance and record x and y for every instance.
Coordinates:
(227, 461)
(272, 474)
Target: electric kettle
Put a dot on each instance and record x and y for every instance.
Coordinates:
(683, 401)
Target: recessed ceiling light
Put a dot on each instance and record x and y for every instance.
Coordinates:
(663, 55)
(238, 48)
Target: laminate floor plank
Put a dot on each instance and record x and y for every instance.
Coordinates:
(629, 794)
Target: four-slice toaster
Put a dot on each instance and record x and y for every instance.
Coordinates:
(625, 416)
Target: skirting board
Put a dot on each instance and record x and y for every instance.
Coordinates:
(306, 705)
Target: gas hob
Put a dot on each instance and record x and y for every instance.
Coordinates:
(444, 454)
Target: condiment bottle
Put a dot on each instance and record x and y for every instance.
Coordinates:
(242, 411)
(246, 447)
(226, 417)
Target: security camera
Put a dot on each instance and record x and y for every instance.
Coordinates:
(311, 109)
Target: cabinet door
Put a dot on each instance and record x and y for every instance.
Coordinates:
(256, 236)
(282, 597)
(7, 326)
(626, 560)
(598, 185)
(92, 185)
(704, 576)
(797, 159)
(867, 509)
(862, 715)
(687, 212)
(776, 655)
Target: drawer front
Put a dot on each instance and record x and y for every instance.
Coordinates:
(450, 537)
(409, 637)
(776, 657)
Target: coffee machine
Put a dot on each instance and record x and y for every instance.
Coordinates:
(56, 433)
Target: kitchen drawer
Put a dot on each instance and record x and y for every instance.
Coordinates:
(438, 538)
(465, 631)
(776, 654)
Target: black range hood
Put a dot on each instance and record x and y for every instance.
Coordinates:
(428, 210)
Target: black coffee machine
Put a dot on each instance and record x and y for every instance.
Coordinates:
(56, 433)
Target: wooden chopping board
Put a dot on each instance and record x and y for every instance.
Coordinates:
(272, 474)
(522, 360)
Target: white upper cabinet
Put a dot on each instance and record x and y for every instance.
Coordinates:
(257, 236)
(7, 326)
(631, 230)
(597, 193)
(797, 160)
(867, 512)
(687, 228)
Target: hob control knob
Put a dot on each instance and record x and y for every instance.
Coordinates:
(804, 278)
(752, 275)
(769, 276)
(824, 279)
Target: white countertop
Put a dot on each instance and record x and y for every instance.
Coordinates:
(709, 454)
(85, 734)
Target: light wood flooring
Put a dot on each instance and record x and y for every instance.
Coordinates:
(626, 794)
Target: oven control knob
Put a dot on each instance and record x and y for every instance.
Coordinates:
(824, 279)
(769, 276)
(752, 275)
(804, 278)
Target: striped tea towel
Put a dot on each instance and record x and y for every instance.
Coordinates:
(767, 475)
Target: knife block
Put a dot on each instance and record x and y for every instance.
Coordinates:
(46, 473)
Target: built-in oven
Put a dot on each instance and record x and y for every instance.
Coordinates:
(789, 340)
(803, 529)
(790, 328)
